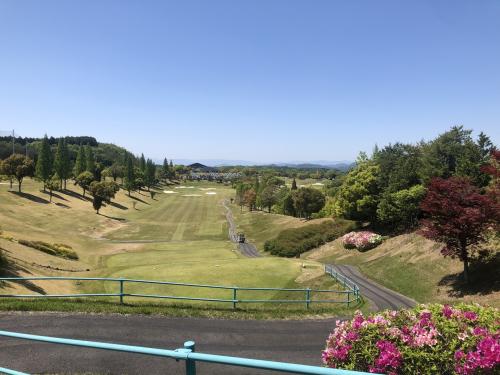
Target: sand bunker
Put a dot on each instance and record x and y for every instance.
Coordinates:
(191, 195)
(184, 187)
(210, 193)
(318, 184)
(169, 192)
(204, 189)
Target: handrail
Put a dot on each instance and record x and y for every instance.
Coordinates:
(350, 295)
(187, 354)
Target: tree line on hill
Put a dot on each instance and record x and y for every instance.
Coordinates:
(56, 162)
(448, 187)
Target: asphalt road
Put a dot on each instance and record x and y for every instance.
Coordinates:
(382, 298)
(246, 248)
(290, 341)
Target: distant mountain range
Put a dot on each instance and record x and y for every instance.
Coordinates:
(341, 165)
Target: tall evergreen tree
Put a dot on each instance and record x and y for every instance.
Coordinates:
(44, 162)
(142, 163)
(149, 174)
(165, 168)
(129, 176)
(294, 184)
(89, 160)
(81, 162)
(171, 169)
(61, 161)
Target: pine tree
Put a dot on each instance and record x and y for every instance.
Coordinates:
(44, 162)
(61, 161)
(81, 162)
(89, 160)
(165, 169)
(171, 171)
(294, 184)
(149, 174)
(129, 176)
(142, 163)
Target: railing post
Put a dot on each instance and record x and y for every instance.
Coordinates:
(348, 297)
(234, 298)
(308, 297)
(190, 364)
(121, 291)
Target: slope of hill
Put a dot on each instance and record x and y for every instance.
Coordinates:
(413, 266)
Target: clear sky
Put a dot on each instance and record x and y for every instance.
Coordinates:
(259, 80)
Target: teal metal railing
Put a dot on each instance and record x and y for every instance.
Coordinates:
(348, 296)
(187, 354)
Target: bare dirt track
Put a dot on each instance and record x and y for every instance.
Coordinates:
(290, 341)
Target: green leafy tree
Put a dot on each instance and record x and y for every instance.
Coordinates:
(62, 164)
(17, 166)
(81, 162)
(53, 184)
(102, 191)
(358, 196)
(115, 171)
(398, 167)
(44, 162)
(401, 210)
(268, 197)
(84, 180)
(307, 201)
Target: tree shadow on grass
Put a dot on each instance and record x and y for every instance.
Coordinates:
(139, 199)
(76, 195)
(484, 278)
(12, 269)
(54, 195)
(30, 197)
(118, 205)
(114, 217)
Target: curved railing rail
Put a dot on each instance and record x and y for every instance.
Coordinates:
(187, 354)
(348, 296)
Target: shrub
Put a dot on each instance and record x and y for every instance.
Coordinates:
(361, 240)
(295, 241)
(58, 250)
(433, 339)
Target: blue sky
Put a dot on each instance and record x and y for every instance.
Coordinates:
(260, 80)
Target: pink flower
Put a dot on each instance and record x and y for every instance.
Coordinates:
(447, 311)
(470, 315)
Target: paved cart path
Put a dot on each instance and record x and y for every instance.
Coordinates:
(290, 341)
(246, 248)
(382, 298)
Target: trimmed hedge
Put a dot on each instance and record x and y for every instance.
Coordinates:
(58, 250)
(295, 241)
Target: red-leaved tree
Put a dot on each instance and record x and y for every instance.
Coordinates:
(457, 215)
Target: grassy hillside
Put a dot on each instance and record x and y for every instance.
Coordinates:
(260, 226)
(181, 236)
(413, 265)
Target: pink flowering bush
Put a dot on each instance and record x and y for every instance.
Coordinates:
(432, 339)
(361, 240)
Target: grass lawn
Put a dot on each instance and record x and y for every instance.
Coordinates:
(260, 226)
(180, 235)
(413, 266)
